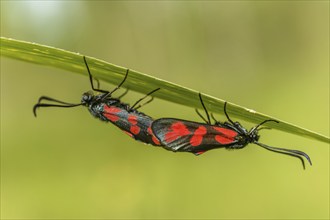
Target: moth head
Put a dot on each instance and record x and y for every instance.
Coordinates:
(87, 98)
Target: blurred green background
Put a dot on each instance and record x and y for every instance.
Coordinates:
(266, 55)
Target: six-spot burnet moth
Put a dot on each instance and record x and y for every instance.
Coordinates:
(187, 136)
(173, 134)
(103, 106)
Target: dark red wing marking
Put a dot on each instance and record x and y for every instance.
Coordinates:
(110, 113)
(177, 130)
(134, 128)
(197, 138)
(132, 119)
(154, 139)
(226, 136)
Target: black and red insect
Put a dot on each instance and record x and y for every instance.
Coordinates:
(103, 106)
(187, 136)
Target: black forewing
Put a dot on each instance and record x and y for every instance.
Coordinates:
(138, 128)
(189, 136)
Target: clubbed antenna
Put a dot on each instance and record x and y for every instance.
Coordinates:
(293, 153)
(61, 104)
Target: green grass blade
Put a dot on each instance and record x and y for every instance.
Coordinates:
(50, 56)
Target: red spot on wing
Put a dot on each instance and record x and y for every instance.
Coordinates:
(154, 139)
(132, 119)
(110, 113)
(112, 118)
(135, 129)
(111, 109)
(226, 131)
(177, 130)
(227, 136)
(224, 139)
(198, 136)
